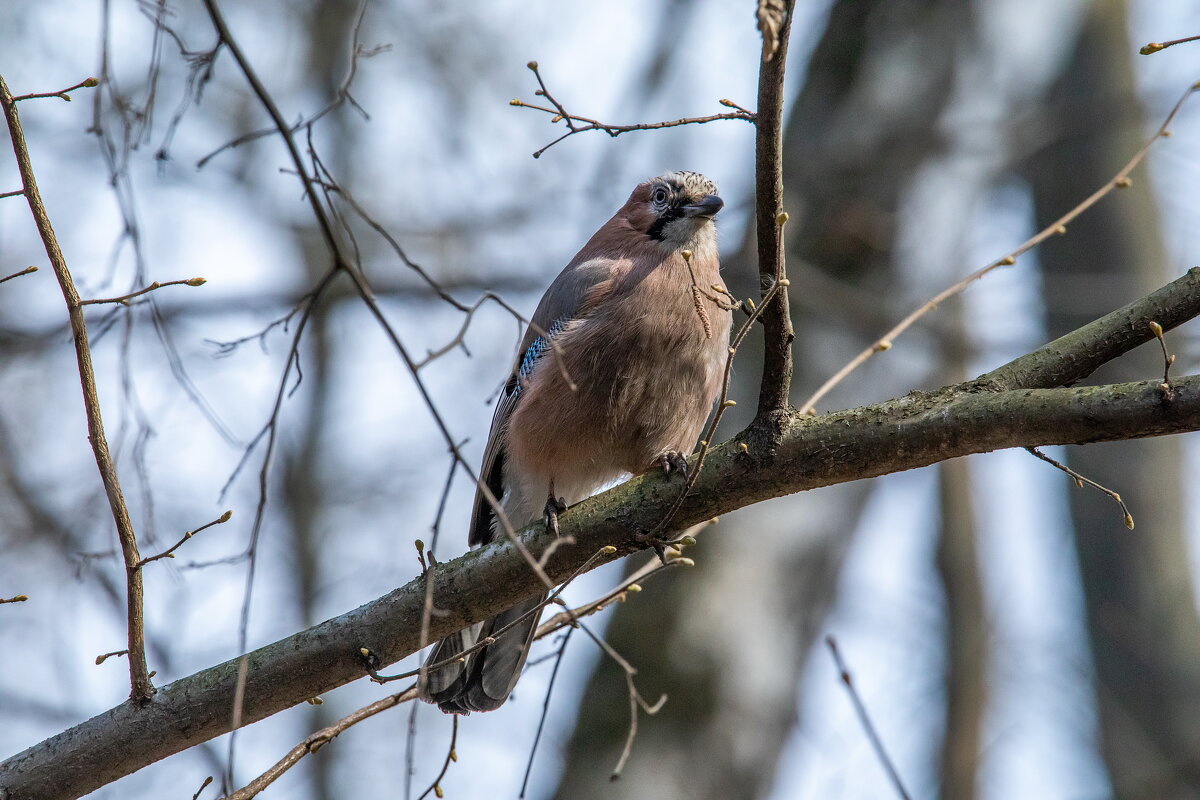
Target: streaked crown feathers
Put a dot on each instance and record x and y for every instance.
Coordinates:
(692, 184)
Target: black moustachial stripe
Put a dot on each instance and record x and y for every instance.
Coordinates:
(656, 231)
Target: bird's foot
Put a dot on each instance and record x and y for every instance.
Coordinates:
(554, 507)
(673, 461)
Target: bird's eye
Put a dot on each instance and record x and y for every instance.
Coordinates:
(660, 196)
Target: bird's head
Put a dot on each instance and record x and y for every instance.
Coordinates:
(674, 209)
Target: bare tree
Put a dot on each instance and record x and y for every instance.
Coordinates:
(842, 223)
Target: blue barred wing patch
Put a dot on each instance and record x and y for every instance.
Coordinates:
(534, 352)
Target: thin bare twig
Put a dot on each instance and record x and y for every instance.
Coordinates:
(570, 619)
(385, 234)
(315, 741)
(1168, 360)
(1056, 228)
(451, 755)
(270, 432)
(125, 298)
(861, 710)
(1080, 481)
(26, 271)
(562, 620)
(341, 97)
(170, 551)
(410, 743)
(723, 404)
(203, 786)
(366, 654)
(537, 737)
(341, 263)
(100, 659)
(20, 598)
(459, 338)
(636, 701)
(630, 585)
(140, 687)
(1154, 47)
(577, 124)
(14, 193)
(86, 83)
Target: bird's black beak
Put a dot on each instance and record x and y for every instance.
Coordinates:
(708, 207)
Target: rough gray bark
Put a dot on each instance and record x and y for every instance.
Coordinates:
(995, 411)
(1142, 624)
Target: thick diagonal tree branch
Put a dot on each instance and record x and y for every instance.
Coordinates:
(1006, 408)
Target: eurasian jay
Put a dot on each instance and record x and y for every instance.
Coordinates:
(638, 330)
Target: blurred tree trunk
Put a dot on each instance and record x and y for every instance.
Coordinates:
(1140, 604)
(305, 497)
(957, 562)
(304, 482)
(727, 642)
(966, 635)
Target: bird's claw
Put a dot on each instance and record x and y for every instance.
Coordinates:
(673, 461)
(554, 507)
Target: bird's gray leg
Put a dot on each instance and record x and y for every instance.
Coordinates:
(669, 461)
(673, 461)
(554, 507)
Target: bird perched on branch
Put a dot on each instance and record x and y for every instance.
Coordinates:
(616, 374)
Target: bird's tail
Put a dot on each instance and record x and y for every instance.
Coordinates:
(486, 678)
